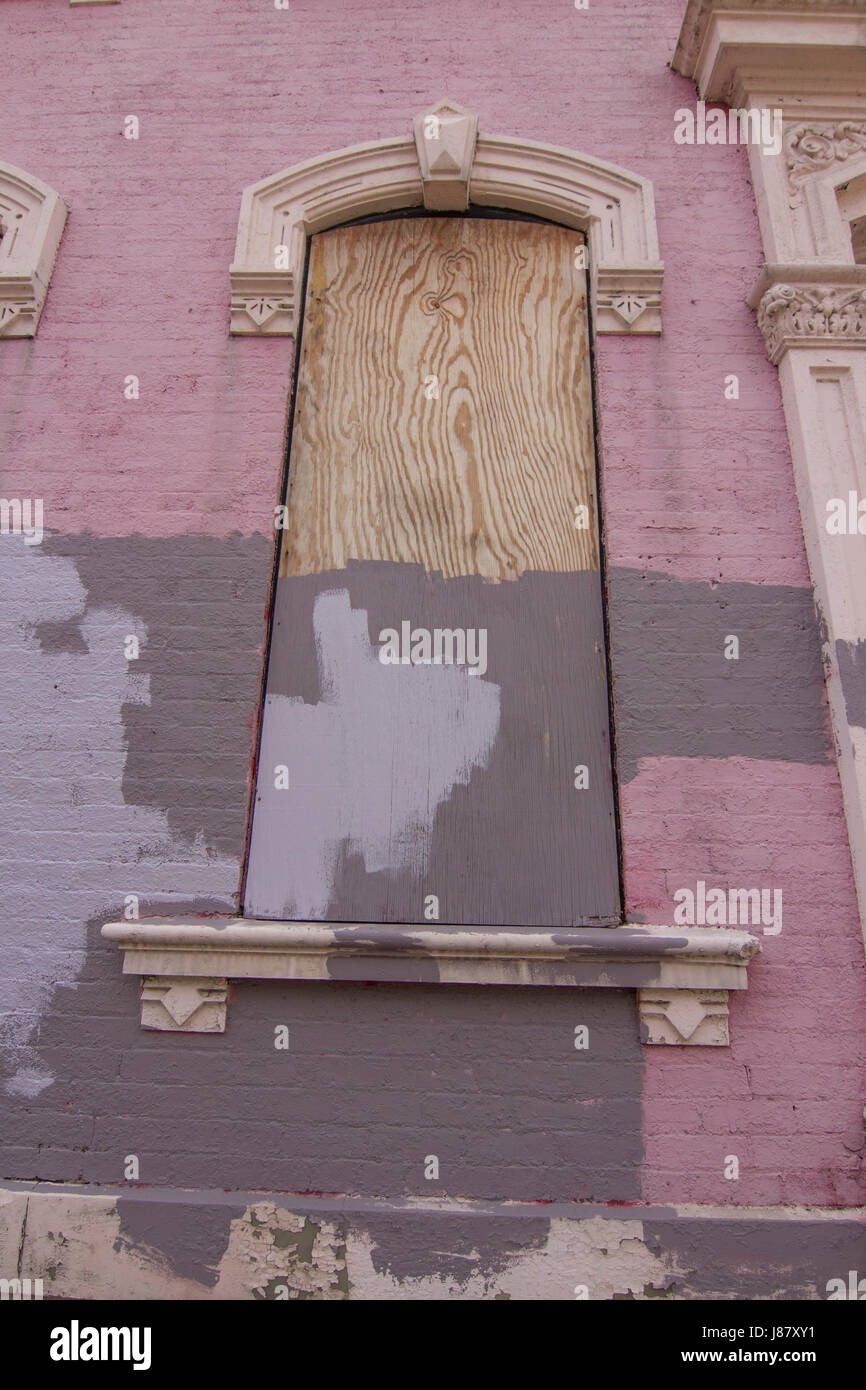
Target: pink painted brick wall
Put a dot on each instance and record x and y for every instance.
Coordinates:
(695, 487)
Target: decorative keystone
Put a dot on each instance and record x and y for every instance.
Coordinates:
(445, 140)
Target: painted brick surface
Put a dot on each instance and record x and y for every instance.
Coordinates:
(134, 778)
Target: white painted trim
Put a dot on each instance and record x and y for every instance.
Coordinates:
(810, 298)
(821, 192)
(801, 48)
(185, 965)
(613, 207)
(32, 216)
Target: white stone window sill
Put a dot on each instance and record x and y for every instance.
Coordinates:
(682, 975)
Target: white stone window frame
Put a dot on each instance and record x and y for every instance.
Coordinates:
(32, 216)
(810, 296)
(614, 208)
(830, 212)
(682, 975)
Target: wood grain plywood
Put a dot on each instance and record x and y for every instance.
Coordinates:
(444, 412)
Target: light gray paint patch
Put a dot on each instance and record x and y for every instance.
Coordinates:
(73, 848)
(435, 723)
(851, 658)
(675, 694)
(193, 1238)
(757, 1259)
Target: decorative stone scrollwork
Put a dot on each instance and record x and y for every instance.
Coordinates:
(812, 316)
(818, 145)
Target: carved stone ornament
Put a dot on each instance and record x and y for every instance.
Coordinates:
(183, 1005)
(445, 165)
(809, 148)
(812, 316)
(32, 217)
(445, 140)
(693, 1017)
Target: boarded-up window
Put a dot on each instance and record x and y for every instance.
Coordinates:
(435, 742)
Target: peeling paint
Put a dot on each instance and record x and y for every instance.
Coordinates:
(277, 1254)
(254, 1246)
(192, 1238)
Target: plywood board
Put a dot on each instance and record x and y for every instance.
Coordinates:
(437, 673)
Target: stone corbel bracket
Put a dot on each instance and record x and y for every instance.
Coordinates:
(682, 974)
(32, 218)
(446, 165)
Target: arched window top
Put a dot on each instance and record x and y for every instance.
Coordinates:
(446, 166)
(32, 217)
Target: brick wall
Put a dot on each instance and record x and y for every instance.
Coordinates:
(125, 778)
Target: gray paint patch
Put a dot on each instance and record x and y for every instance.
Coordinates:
(376, 1077)
(464, 1246)
(192, 1238)
(675, 694)
(428, 781)
(418, 971)
(61, 637)
(199, 606)
(65, 714)
(757, 1259)
(851, 658)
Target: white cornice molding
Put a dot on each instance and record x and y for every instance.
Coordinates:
(682, 974)
(32, 218)
(731, 47)
(613, 207)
